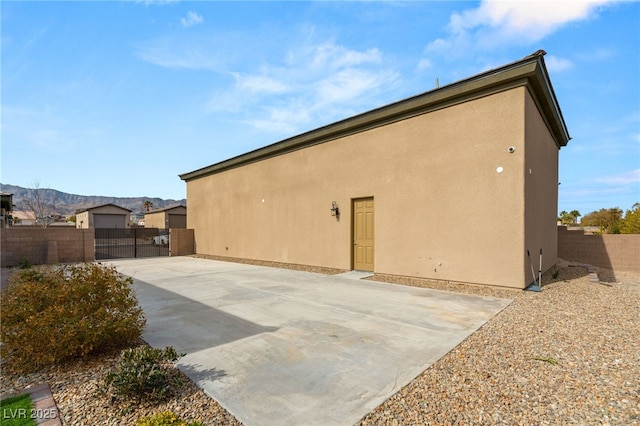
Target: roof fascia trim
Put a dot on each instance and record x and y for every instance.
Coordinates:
(101, 205)
(528, 72)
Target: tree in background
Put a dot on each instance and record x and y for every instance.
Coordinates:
(608, 220)
(564, 218)
(147, 205)
(41, 208)
(631, 222)
(569, 218)
(575, 214)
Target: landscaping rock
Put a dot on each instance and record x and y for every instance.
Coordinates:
(567, 355)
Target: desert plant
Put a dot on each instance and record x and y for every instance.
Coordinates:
(551, 361)
(25, 263)
(144, 373)
(54, 313)
(166, 418)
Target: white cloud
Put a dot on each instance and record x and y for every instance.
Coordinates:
(424, 64)
(556, 64)
(497, 22)
(328, 55)
(313, 84)
(625, 178)
(533, 19)
(348, 84)
(259, 84)
(191, 19)
(181, 54)
(156, 2)
(282, 120)
(599, 54)
(44, 129)
(285, 89)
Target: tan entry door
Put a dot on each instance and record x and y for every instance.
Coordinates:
(363, 234)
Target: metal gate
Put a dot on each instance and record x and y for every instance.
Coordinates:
(122, 243)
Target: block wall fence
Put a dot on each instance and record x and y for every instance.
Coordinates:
(181, 242)
(46, 245)
(66, 245)
(618, 252)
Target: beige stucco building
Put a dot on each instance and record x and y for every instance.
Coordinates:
(103, 216)
(168, 217)
(453, 184)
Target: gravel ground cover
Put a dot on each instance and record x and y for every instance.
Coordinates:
(76, 389)
(567, 355)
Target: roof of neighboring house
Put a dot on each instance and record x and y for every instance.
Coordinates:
(101, 205)
(166, 209)
(23, 215)
(529, 71)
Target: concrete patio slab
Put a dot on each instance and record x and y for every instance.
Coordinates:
(278, 347)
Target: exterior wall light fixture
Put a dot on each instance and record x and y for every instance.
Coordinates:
(335, 210)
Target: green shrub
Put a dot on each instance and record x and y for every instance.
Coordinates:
(144, 373)
(166, 418)
(54, 313)
(25, 263)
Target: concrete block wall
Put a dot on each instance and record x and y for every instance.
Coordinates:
(45, 245)
(64, 245)
(618, 252)
(181, 242)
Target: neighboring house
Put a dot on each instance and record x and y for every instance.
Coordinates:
(168, 217)
(6, 207)
(103, 216)
(23, 218)
(453, 184)
(137, 218)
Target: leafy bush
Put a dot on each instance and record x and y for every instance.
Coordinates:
(144, 373)
(166, 418)
(54, 313)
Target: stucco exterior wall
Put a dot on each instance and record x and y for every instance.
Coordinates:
(442, 209)
(155, 220)
(166, 218)
(82, 220)
(86, 220)
(541, 191)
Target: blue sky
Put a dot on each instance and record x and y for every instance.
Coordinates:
(118, 98)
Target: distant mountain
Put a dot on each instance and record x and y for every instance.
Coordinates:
(67, 204)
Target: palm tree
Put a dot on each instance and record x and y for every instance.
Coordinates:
(575, 214)
(147, 205)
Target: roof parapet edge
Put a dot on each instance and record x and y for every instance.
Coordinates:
(532, 69)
